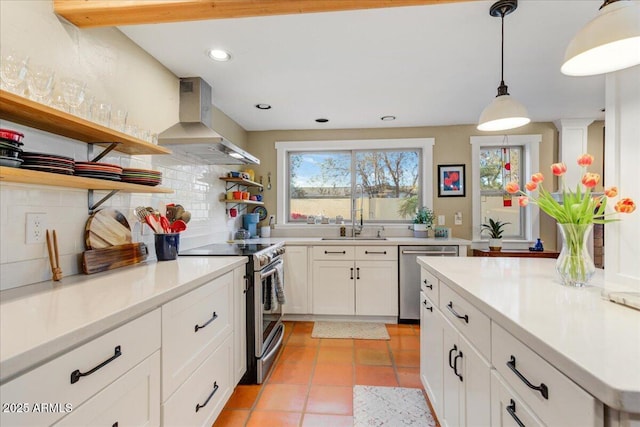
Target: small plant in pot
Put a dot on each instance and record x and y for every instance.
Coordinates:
(422, 222)
(495, 229)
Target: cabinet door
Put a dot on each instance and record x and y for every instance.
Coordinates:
(131, 400)
(451, 401)
(431, 350)
(476, 385)
(239, 323)
(333, 287)
(296, 280)
(377, 288)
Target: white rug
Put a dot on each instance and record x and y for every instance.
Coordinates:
(390, 407)
(357, 330)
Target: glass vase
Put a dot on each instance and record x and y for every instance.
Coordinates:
(574, 264)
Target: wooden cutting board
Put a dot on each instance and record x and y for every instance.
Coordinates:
(105, 228)
(96, 260)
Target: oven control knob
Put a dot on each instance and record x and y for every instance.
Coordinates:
(263, 260)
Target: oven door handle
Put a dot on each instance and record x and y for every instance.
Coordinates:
(275, 348)
(270, 272)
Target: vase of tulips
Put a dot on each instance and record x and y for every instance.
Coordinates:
(575, 215)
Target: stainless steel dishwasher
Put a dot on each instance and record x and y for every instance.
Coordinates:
(409, 271)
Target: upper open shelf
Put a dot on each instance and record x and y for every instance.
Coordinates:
(33, 114)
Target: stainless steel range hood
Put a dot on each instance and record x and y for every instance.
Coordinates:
(194, 136)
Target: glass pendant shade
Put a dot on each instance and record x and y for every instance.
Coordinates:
(609, 42)
(503, 113)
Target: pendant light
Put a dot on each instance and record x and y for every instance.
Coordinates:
(504, 112)
(609, 42)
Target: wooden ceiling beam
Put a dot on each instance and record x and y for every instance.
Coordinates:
(106, 13)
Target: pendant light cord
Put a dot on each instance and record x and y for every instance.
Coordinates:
(502, 89)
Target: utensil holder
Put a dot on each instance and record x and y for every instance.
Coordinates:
(167, 245)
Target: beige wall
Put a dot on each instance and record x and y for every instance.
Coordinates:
(451, 147)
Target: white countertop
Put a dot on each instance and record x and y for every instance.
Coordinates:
(593, 341)
(39, 326)
(394, 241)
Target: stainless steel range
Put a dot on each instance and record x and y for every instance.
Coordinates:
(265, 296)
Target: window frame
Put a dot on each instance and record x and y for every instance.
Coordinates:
(425, 145)
(531, 154)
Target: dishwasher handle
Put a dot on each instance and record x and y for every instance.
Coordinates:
(413, 252)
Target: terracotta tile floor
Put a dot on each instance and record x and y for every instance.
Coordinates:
(312, 381)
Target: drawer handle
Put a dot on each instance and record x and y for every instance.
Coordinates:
(335, 252)
(76, 375)
(450, 307)
(428, 285)
(542, 388)
(351, 273)
(358, 273)
(426, 306)
(215, 388)
(511, 409)
(214, 317)
(375, 253)
(455, 348)
(455, 365)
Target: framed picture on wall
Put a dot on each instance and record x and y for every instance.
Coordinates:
(451, 181)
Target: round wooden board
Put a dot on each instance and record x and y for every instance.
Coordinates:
(105, 228)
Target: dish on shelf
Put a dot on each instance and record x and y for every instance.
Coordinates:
(11, 135)
(98, 167)
(10, 142)
(10, 162)
(48, 163)
(42, 156)
(261, 211)
(13, 153)
(48, 168)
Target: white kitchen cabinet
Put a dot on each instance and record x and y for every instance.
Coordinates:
(376, 288)
(507, 409)
(239, 323)
(431, 351)
(296, 279)
(333, 287)
(131, 400)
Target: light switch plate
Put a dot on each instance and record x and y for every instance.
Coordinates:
(457, 218)
(440, 219)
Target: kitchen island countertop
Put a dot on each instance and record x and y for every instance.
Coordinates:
(592, 340)
(37, 326)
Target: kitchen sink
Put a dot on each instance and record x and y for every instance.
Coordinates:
(354, 238)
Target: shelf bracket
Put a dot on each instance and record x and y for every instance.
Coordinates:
(94, 206)
(104, 152)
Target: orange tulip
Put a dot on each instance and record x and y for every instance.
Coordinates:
(512, 187)
(585, 160)
(625, 205)
(530, 186)
(590, 179)
(523, 201)
(611, 192)
(537, 177)
(558, 169)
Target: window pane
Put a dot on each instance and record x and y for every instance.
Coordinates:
(499, 165)
(492, 206)
(319, 184)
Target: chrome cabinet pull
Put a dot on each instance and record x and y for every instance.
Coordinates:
(427, 284)
(455, 348)
(76, 375)
(450, 307)
(335, 252)
(511, 409)
(215, 388)
(214, 317)
(426, 306)
(351, 273)
(375, 253)
(455, 365)
(542, 388)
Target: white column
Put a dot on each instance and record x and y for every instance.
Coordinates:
(572, 143)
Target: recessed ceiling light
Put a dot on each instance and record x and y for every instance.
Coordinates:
(219, 55)
(387, 118)
(322, 120)
(263, 106)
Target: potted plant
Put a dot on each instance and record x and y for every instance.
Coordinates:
(495, 229)
(422, 222)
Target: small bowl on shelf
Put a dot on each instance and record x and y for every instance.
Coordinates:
(11, 135)
(13, 153)
(10, 162)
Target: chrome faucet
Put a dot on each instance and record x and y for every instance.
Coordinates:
(356, 228)
(380, 230)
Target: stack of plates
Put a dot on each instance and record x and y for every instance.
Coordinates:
(99, 170)
(141, 176)
(44, 162)
(10, 153)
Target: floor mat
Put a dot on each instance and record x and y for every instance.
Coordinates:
(390, 407)
(357, 330)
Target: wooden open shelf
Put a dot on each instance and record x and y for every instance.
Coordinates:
(25, 176)
(243, 202)
(26, 112)
(241, 181)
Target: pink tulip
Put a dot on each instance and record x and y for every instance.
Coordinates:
(523, 201)
(558, 169)
(512, 187)
(585, 160)
(531, 186)
(611, 192)
(537, 177)
(590, 179)
(625, 205)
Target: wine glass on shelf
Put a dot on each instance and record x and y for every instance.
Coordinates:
(13, 71)
(40, 83)
(73, 91)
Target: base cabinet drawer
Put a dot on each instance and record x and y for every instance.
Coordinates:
(199, 401)
(430, 285)
(132, 400)
(553, 397)
(507, 410)
(79, 374)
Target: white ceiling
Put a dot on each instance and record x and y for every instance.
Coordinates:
(427, 65)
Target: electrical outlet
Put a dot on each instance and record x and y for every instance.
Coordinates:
(457, 218)
(441, 220)
(36, 228)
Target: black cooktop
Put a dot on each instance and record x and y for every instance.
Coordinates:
(226, 249)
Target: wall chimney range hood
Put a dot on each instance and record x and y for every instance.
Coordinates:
(194, 136)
